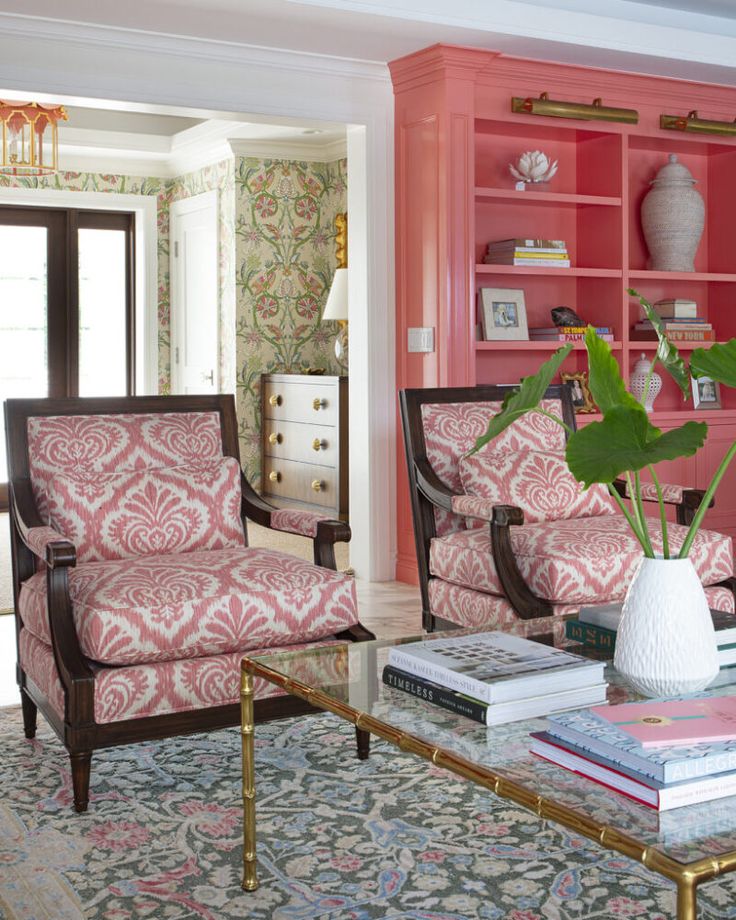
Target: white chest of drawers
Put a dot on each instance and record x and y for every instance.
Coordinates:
(305, 441)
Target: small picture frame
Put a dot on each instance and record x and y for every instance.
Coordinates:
(706, 393)
(503, 315)
(582, 401)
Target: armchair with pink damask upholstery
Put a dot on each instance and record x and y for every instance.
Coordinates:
(136, 593)
(506, 535)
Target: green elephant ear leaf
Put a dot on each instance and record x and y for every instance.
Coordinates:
(717, 362)
(667, 355)
(528, 396)
(625, 440)
(606, 384)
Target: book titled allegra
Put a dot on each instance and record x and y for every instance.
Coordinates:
(496, 667)
(588, 731)
(692, 721)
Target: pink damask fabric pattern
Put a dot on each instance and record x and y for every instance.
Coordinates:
(160, 689)
(38, 538)
(472, 609)
(451, 430)
(146, 512)
(188, 605)
(671, 494)
(581, 561)
(539, 482)
(87, 446)
(292, 520)
(37, 660)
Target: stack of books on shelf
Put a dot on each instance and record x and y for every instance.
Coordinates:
(663, 753)
(681, 323)
(529, 252)
(567, 333)
(495, 677)
(596, 627)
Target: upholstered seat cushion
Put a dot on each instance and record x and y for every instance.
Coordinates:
(188, 605)
(580, 561)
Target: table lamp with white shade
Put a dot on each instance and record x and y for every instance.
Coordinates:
(336, 308)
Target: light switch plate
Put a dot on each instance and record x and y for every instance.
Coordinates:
(420, 339)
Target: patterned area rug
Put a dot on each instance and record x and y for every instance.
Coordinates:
(341, 839)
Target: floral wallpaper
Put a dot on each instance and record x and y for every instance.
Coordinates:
(285, 256)
(276, 262)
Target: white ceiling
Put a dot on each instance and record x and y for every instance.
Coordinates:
(690, 38)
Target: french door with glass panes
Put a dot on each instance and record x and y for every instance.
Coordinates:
(66, 306)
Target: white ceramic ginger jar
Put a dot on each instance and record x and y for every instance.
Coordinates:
(666, 644)
(672, 218)
(638, 382)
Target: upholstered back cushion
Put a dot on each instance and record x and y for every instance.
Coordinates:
(149, 512)
(84, 446)
(539, 482)
(451, 429)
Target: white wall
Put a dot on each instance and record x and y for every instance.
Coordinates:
(63, 60)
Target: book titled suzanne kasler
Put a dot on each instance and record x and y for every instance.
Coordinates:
(496, 667)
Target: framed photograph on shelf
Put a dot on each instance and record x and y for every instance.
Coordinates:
(706, 393)
(581, 399)
(503, 315)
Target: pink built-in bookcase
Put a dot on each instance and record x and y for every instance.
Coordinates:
(456, 134)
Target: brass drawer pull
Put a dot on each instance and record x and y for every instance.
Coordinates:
(275, 438)
(274, 400)
(318, 403)
(318, 444)
(317, 485)
(274, 476)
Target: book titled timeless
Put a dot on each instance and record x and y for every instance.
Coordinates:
(589, 733)
(496, 667)
(498, 713)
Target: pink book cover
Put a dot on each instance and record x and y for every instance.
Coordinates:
(679, 722)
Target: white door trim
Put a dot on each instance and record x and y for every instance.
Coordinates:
(204, 201)
(152, 71)
(145, 208)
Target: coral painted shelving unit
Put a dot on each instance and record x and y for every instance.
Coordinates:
(456, 134)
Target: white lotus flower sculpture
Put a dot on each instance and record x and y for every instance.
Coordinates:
(533, 166)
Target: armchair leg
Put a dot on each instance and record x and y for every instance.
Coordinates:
(81, 765)
(363, 739)
(30, 711)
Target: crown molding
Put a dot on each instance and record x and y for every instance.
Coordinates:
(13, 25)
(290, 150)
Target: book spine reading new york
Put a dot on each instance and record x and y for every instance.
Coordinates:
(435, 694)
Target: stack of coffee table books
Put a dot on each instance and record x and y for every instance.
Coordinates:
(596, 627)
(495, 677)
(662, 753)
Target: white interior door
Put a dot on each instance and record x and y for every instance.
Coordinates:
(194, 314)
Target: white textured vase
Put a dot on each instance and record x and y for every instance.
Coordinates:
(666, 645)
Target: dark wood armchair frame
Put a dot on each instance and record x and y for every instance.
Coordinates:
(428, 492)
(78, 731)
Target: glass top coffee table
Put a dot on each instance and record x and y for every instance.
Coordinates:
(687, 845)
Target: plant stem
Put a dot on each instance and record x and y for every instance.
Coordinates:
(627, 514)
(554, 418)
(635, 495)
(709, 492)
(662, 515)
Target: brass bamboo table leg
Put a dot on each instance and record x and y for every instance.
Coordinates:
(250, 877)
(687, 903)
